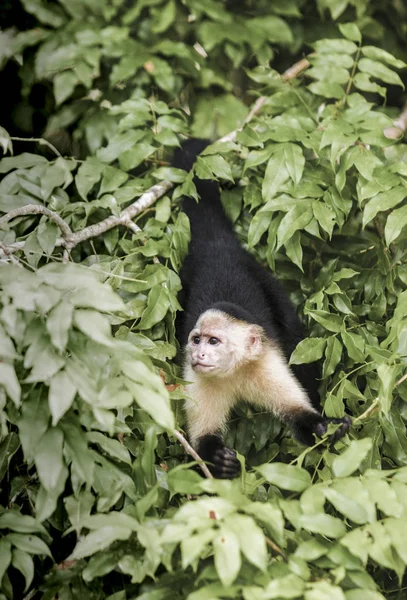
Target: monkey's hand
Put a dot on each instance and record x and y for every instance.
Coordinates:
(321, 428)
(310, 423)
(222, 461)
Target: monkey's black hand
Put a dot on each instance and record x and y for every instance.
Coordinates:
(311, 423)
(222, 462)
(321, 428)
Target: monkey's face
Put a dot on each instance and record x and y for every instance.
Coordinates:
(218, 344)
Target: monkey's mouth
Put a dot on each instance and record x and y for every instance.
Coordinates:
(202, 366)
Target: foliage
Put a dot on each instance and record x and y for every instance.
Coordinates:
(97, 499)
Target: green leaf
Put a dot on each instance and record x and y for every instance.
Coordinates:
(363, 594)
(294, 161)
(22, 161)
(5, 555)
(289, 586)
(395, 224)
(99, 540)
(351, 31)
(321, 590)
(293, 249)
(376, 69)
(23, 562)
(154, 403)
(287, 477)
(130, 159)
(297, 218)
(387, 377)
(59, 323)
(112, 447)
(89, 173)
(64, 85)
(330, 321)
(193, 545)
(47, 233)
(258, 226)
(276, 174)
(8, 447)
(379, 54)
(94, 325)
(323, 524)
(158, 304)
(349, 461)
(181, 480)
(308, 350)
(355, 345)
(112, 179)
(61, 395)
(227, 555)
(383, 201)
(29, 543)
(251, 539)
(14, 520)
(347, 506)
(49, 458)
(8, 379)
(333, 353)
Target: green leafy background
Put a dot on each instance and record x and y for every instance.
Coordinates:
(97, 498)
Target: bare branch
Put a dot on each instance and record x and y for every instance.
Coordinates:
(8, 254)
(37, 209)
(276, 548)
(146, 200)
(401, 380)
(295, 69)
(40, 141)
(189, 450)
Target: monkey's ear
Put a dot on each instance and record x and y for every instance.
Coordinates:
(255, 341)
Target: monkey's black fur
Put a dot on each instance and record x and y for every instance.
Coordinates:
(219, 274)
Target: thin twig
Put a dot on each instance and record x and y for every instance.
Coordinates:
(8, 254)
(41, 141)
(189, 450)
(372, 408)
(400, 381)
(276, 548)
(295, 70)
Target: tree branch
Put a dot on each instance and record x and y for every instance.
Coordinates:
(70, 240)
(276, 548)
(37, 209)
(189, 450)
(125, 217)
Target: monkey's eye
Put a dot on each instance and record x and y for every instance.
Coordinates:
(196, 339)
(213, 341)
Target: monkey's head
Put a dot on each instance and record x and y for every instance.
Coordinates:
(219, 344)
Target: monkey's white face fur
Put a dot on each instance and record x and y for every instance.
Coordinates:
(220, 344)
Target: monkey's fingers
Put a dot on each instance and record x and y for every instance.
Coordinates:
(225, 464)
(344, 426)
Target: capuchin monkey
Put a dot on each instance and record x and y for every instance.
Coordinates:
(238, 330)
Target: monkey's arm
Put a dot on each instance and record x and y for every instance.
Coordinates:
(207, 411)
(276, 388)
